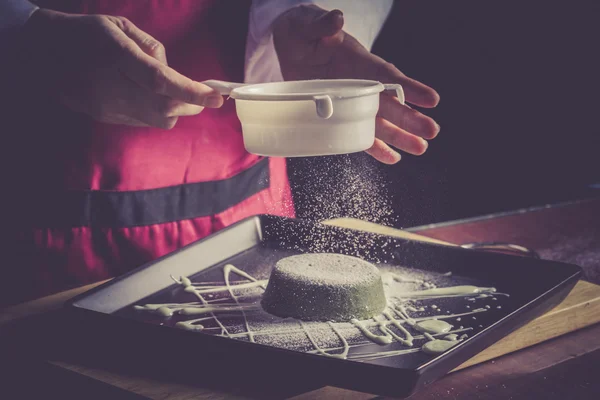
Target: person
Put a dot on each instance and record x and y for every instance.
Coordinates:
(118, 154)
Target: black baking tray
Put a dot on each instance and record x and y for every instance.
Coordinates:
(105, 315)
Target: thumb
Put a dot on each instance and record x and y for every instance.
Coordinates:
(328, 24)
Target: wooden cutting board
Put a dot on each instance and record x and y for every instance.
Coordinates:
(581, 308)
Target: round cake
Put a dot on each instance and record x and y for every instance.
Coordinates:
(324, 287)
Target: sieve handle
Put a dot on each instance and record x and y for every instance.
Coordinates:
(395, 89)
(224, 88)
(323, 103)
(324, 106)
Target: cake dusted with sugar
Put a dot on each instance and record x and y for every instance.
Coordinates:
(324, 287)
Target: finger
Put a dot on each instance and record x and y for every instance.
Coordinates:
(399, 138)
(313, 22)
(383, 153)
(124, 120)
(121, 101)
(153, 119)
(415, 92)
(184, 110)
(142, 105)
(160, 111)
(168, 107)
(326, 25)
(158, 78)
(407, 118)
(151, 108)
(147, 43)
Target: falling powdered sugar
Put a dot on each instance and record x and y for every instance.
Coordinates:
(351, 186)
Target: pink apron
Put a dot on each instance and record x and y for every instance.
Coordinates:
(98, 200)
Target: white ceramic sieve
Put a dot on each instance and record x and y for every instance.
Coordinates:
(307, 118)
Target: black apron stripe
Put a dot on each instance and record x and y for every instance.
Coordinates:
(103, 209)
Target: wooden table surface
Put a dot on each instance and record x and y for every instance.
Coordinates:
(561, 368)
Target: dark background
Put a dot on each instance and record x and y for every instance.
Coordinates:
(519, 104)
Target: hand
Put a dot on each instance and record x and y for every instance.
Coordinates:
(109, 69)
(311, 44)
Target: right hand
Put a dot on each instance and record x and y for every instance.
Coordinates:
(109, 69)
(311, 44)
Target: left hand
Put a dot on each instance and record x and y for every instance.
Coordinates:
(311, 44)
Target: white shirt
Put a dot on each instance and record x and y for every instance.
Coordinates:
(362, 19)
(14, 14)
